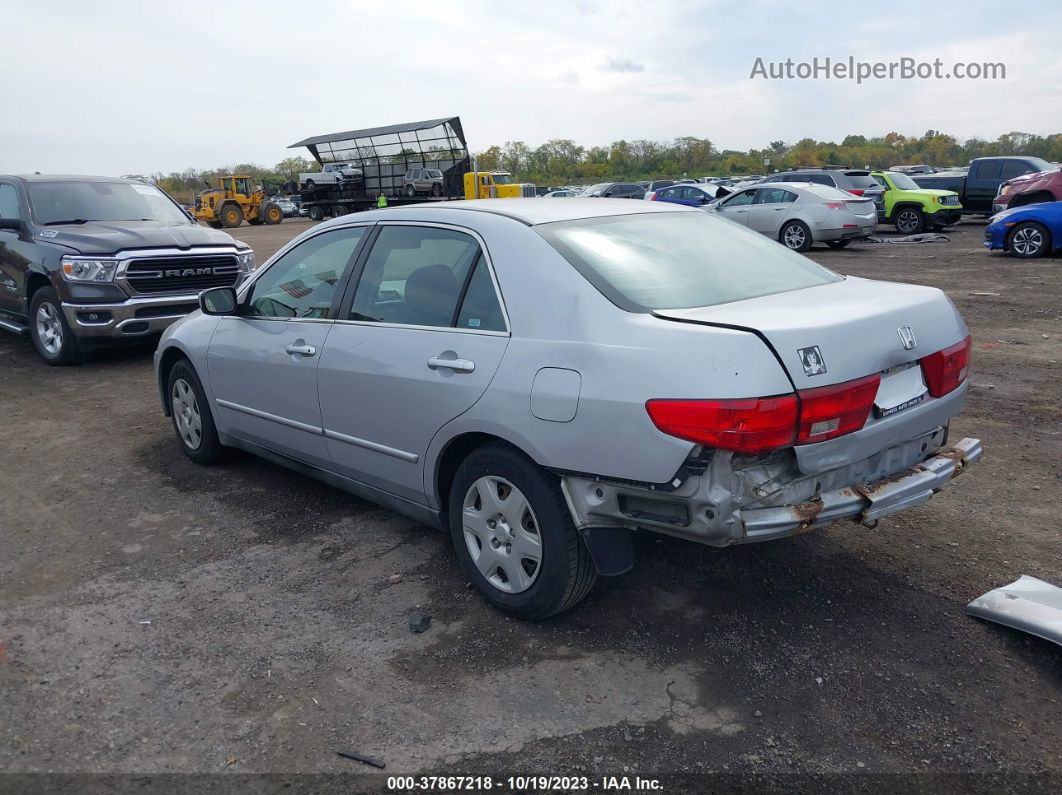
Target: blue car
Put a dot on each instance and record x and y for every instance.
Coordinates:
(1034, 230)
(690, 194)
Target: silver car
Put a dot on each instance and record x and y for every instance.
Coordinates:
(423, 180)
(542, 379)
(799, 214)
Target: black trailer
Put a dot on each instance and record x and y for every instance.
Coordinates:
(384, 155)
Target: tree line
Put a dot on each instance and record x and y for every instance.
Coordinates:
(561, 161)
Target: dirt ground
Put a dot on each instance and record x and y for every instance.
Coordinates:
(159, 617)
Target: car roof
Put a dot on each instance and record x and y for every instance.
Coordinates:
(70, 178)
(527, 211)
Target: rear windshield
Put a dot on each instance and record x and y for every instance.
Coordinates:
(69, 202)
(832, 194)
(679, 260)
(863, 181)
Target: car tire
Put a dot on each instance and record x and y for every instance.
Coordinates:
(436, 189)
(837, 243)
(1029, 240)
(231, 216)
(190, 412)
(909, 221)
(52, 337)
(310, 184)
(495, 478)
(410, 191)
(795, 236)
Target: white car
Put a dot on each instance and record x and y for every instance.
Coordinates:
(330, 174)
(797, 214)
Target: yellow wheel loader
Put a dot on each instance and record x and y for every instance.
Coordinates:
(236, 201)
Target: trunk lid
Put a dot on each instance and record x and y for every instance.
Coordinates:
(837, 332)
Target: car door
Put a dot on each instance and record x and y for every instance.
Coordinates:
(16, 248)
(423, 335)
(982, 184)
(737, 207)
(770, 207)
(262, 364)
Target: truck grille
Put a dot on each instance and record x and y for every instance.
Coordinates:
(528, 191)
(181, 274)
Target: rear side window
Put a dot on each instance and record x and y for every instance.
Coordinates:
(989, 170)
(774, 196)
(9, 202)
(673, 260)
(862, 181)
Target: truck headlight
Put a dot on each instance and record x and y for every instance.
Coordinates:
(245, 259)
(86, 269)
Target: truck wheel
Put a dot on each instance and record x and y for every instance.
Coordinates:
(796, 236)
(410, 191)
(52, 337)
(272, 214)
(910, 221)
(316, 213)
(436, 189)
(514, 535)
(1029, 240)
(231, 216)
(190, 412)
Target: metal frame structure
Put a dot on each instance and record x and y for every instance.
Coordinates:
(385, 154)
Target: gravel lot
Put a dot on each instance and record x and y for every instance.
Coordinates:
(160, 617)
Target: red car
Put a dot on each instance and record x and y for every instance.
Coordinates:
(1041, 186)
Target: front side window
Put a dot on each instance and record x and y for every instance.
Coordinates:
(415, 276)
(303, 282)
(745, 197)
(1015, 168)
(675, 260)
(243, 186)
(9, 202)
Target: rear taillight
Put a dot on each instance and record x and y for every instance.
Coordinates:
(756, 425)
(835, 205)
(652, 195)
(830, 411)
(856, 191)
(945, 370)
(752, 425)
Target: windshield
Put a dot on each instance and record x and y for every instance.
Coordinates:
(902, 181)
(59, 202)
(598, 188)
(434, 173)
(677, 260)
(502, 179)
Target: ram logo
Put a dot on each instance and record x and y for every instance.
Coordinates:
(181, 272)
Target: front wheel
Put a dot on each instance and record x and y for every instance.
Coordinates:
(316, 213)
(231, 216)
(272, 214)
(410, 191)
(1029, 240)
(436, 189)
(910, 221)
(190, 412)
(795, 236)
(513, 533)
(52, 337)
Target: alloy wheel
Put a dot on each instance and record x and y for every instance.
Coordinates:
(794, 236)
(49, 329)
(1027, 241)
(907, 221)
(501, 533)
(186, 414)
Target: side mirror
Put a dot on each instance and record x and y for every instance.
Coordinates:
(218, 301)
(14, 224)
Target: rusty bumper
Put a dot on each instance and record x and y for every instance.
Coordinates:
(864, 502)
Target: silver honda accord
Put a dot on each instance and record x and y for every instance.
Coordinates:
(542, 379)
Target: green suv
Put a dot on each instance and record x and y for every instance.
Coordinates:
(911, 209)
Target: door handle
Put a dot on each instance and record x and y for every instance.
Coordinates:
(301, 350)
(458, 365)
(778, 209)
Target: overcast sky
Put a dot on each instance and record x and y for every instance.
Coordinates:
(117, 88)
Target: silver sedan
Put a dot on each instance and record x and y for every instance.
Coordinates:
(541, 380)
(797, 214)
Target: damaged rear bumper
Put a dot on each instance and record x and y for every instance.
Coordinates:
(733, 503)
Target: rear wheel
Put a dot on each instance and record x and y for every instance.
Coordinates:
(837, 243)
(1029, 240)
(316, 213)
(410, 191)
(436, 189)
(513, 533)
(190, 412)
(795, 235)
(910, 221)
(52, 337)
(341, 209)
(231, 216)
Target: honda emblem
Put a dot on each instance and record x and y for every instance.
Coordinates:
(907, 337)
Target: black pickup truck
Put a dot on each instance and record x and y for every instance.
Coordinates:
(979, 186)
(95, 260)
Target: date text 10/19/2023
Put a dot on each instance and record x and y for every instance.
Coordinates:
(522, 784)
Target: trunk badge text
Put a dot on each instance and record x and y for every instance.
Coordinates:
(907, 337)
(812, 360)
